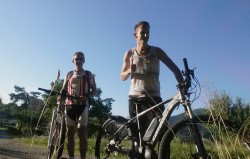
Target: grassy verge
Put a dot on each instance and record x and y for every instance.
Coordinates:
(229, 147)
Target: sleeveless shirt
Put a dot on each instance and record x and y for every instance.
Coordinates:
(145, 80)
(78, 86)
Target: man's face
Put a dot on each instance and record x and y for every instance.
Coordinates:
(142, 34)
(78, 60)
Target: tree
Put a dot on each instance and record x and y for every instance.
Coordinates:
(239, 112)
(220, 104)
(99, 111)
(24, 115)
(1, 101)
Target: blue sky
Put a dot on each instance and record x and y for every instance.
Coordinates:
(39, 37)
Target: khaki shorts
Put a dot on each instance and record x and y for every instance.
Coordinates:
(83, 119)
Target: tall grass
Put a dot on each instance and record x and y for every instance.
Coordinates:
(223, 144)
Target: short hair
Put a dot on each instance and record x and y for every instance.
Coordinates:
(79, 53)
(142, 23)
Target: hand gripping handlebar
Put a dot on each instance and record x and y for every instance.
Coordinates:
(55, 93)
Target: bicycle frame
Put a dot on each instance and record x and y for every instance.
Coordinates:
(159, 126)
(172, 104)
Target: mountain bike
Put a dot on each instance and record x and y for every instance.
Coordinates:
(56, 135)
(192, 134)
(57, 131)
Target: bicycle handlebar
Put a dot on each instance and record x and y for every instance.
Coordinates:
(187, 73)
(54, 92)
(185, 64)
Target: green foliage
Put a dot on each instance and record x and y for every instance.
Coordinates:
(221, 103)
(238, 112)
(26, 119)
(1, 101)
(101, 108)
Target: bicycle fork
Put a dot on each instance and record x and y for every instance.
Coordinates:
(51, 127)
(138, 126)
(195, 131)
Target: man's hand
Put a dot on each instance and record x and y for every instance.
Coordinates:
(132, 68)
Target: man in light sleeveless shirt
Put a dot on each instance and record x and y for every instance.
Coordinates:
(79, 83)
(142, 64)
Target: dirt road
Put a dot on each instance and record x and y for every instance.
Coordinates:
(13, 148)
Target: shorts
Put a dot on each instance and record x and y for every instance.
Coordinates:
(82, 120)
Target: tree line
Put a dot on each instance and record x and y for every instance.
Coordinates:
(27, 119)
(220, 104)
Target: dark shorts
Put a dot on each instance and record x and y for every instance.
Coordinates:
(143, 104)
(75, 111)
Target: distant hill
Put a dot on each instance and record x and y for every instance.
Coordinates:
(176, 118)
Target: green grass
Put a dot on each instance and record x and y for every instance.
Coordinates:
(219, 150)
(3, 128)
(42, 141)
(227, 148)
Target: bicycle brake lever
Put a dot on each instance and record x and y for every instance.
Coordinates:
(192, 72)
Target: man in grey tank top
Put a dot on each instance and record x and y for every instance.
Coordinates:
(142, 65)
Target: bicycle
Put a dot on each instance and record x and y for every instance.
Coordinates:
(56, 135)
(114, 136)
(57, 131)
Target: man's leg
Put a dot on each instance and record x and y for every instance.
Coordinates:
(83, 143)
(71, 140)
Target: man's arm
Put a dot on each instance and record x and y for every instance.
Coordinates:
(170, 64)
(93, 86)
(126, 66)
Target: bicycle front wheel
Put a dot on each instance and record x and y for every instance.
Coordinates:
(110, 142)
(180, 142)
(57, 138)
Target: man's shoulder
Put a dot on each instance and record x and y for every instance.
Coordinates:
(88, 72)
(70, 73)
(156, 48)
(129, 52)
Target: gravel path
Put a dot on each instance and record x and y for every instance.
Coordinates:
(14, 148)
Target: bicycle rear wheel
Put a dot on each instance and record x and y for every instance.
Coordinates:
(179, 141)
(109, 141)
(57, 137)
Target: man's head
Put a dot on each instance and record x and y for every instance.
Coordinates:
(78, 58)
(143, 24)
(141, 32)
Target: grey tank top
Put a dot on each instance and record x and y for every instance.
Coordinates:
(145, 80)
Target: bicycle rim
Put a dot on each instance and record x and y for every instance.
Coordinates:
(109, 144)
(56, 144)
(179, 141)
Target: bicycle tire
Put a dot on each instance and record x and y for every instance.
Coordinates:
(58, 134)
(106, 134)
(179, 137)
